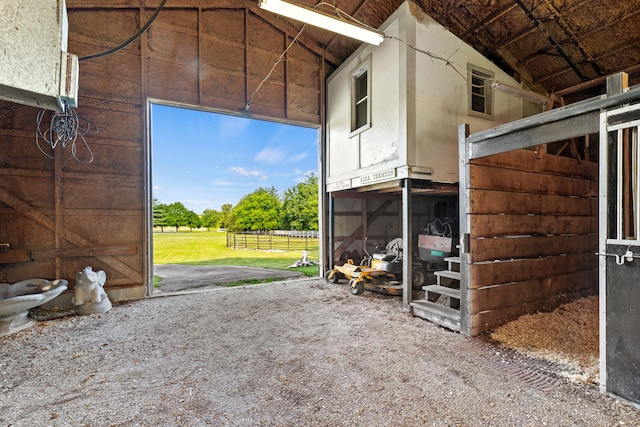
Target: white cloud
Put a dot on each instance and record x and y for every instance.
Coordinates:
(195, 204)
(222, 183)
(297, 158)
(280, 174)
(301, 176)
(271, 155)
(244, 171)
(230, 127)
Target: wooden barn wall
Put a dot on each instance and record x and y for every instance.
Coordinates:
(534, 232)
(60, 216)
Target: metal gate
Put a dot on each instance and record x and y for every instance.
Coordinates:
(619, 251)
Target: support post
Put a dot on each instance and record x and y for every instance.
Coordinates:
(407, 245)
(363, 219)
(464, 228)
(330, 245)
(616, 85)
(602, 248)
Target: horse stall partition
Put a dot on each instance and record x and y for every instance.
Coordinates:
(533, 231)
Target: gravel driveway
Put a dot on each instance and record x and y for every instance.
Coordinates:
(179, 277)
(293, 353)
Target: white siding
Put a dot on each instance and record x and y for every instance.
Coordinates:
(441, 99)
(417, 103)
(379, 144)
(342, 154)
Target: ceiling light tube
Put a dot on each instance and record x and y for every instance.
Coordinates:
(323, 20)
(528, 95)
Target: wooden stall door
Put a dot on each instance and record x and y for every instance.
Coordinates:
(619, 253)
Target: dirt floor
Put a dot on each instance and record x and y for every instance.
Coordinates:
(299, 352)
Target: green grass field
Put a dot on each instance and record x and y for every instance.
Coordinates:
(210, 248)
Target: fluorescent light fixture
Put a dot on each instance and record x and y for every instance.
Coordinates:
(322, 20)
(528, 95)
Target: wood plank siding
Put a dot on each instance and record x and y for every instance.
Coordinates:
(534, 232)
(60, 216)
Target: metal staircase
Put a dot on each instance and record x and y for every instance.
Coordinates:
(442, 300)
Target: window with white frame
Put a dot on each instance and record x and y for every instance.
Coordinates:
(361, 97)
(480, 103)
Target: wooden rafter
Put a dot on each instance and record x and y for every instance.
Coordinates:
(487, 21)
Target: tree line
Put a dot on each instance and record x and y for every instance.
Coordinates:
(263, 209)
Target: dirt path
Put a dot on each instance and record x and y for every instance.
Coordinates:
(180, 277)
(290, 353)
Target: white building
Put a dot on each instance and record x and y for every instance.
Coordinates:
(393, 113)
(393, 110)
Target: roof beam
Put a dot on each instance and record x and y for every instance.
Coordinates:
(566, 28)
(487, 21)
(594, 82)
(352, 14)
(308, 42)
(550, 39)
(574, 120)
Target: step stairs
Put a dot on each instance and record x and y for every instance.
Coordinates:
(455, 275)
(442, 299)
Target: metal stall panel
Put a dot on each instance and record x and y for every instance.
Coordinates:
(623, 335)
(619, 252)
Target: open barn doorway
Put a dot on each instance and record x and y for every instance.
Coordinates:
(204, 167)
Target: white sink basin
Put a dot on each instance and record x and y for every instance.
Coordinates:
(17, 298)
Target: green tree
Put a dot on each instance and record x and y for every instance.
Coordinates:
(193, 220)
(177, 215)
(159, 215)
(300, 206)
(259, 210)
(211, 218)
(226, 216)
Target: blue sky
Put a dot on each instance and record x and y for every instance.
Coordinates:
(204, 159)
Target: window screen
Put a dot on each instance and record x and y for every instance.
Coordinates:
(479, 89)
(361, 97)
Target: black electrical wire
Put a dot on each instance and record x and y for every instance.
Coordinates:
(128, 42)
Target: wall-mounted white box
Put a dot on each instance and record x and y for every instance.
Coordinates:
(35, 68)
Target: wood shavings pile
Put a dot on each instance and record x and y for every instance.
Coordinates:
(569, 335)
